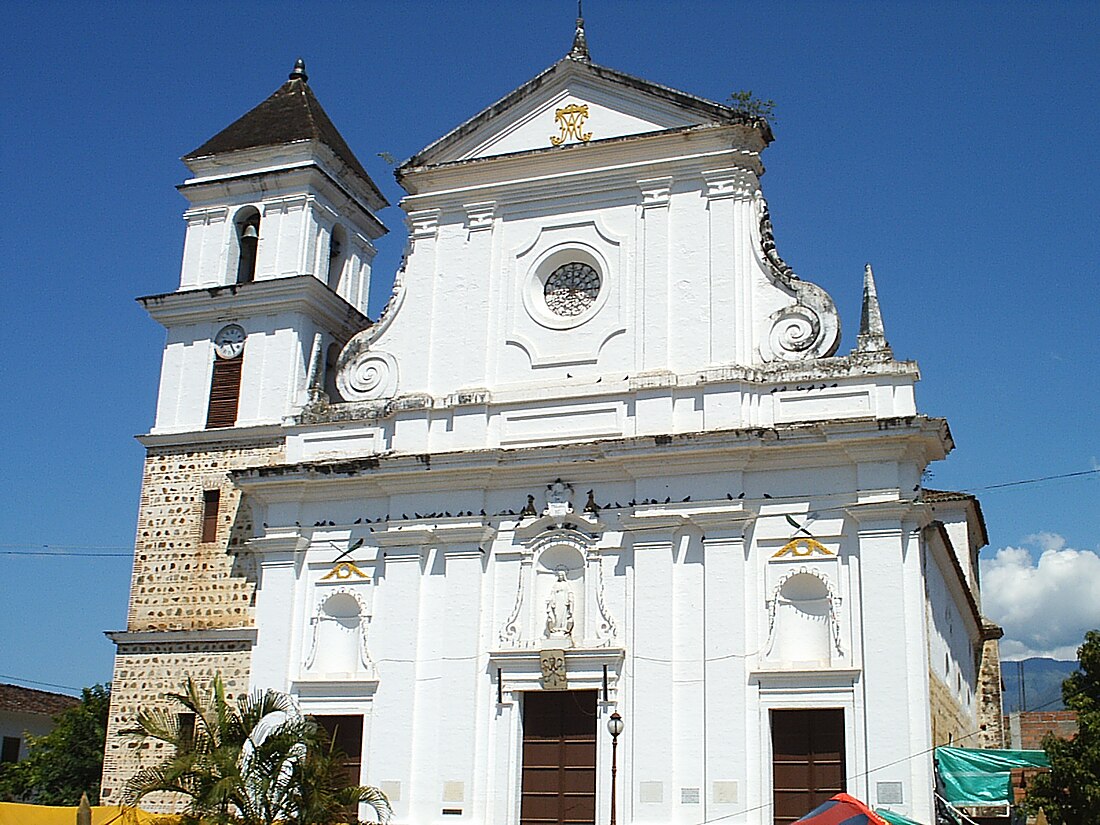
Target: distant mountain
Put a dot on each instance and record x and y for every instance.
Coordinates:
(1042, 683)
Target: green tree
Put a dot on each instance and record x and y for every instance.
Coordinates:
(252, 762)
(1070, 791)
(67, 761)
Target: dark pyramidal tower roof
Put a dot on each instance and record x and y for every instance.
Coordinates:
(290, 115)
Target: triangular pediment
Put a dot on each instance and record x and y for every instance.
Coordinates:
(572, 102)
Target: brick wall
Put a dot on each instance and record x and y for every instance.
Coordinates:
(181, 586)
(1029, 727)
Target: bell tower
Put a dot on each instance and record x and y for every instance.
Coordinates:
(276, 271)
(276, 265)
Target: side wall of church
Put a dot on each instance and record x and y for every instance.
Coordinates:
(182, 589)
(952, 638)
(950, 723)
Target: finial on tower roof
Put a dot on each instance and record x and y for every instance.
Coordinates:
(580, 42)
(872, 335)
(299, 72)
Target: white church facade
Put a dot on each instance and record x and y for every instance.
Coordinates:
(598, 455)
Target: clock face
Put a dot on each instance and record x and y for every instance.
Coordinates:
(571, 289)
(229, 342)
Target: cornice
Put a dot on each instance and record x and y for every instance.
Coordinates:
(872, 512)
(298, 293)
(640, 455)
(803, 679)
(222, 169)
(584, 656)
(141, 637)
(598, 166)
(704, 516)
(266, 434)
(757, 378)
(420, 532)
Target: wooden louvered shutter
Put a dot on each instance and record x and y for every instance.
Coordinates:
(225, 391)
(210, 501)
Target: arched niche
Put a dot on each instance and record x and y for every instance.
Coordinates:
(339, 631)
(560, 595)
(803, 625)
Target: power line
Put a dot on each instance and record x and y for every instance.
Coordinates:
(43, 684)
(66, 550)
(73, 546)
(65, 554)
(1038, 480)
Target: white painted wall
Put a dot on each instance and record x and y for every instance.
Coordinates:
(18, 725)
(688, 587)
(700, 376)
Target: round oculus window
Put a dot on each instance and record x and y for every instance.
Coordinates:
(571, 289)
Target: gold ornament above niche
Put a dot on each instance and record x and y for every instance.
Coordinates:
(801, 548)
(570, 120)
(343, 571)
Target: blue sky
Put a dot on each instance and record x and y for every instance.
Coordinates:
(952, 145)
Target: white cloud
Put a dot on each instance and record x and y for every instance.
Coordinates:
(1045, 607)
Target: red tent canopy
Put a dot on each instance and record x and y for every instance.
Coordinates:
(842, 810)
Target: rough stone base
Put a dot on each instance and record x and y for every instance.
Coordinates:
(182, 588)
(143, 675)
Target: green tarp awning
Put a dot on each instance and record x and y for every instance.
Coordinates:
(982, 777)
(895, 819)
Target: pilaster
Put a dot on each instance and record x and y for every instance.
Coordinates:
(728, 195)
(652, 741)
(279, 556)
(725, 637)
(896, 718)
(652, 307)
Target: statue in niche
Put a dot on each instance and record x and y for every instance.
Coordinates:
(559, 609)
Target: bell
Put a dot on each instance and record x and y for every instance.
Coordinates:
(250, 233)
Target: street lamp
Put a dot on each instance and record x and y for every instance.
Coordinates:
(614, 727)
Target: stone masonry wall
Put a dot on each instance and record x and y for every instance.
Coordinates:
(182, 584)
(179, 582)
(143, 674)
(990, 715)
(949, 722)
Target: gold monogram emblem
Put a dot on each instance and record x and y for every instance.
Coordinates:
(800, 548)
(571, 120)
(345, 570)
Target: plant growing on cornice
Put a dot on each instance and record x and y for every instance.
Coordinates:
(748, 103)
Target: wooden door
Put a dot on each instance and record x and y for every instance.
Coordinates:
(559, 758)
(346, 736)
(807, 760)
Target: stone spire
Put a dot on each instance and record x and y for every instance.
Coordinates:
(580, 42)
(872, 335)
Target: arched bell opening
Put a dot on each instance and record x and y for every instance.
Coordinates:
(247, 225)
